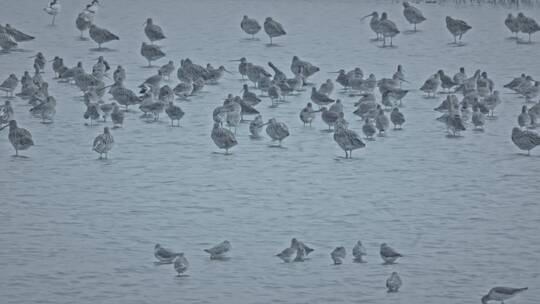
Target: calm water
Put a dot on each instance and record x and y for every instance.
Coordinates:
(463, 211)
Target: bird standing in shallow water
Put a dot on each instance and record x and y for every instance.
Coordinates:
(223, 138)
(20, 138)
(525, 140)
(397, 118)
(277, 130)
(347, 139)
(164, 255)
(250, 26)
(307, 114)
(151, 52)
(273, 29)
(256, 126)
(393, 283)
(359, 252)
(175, 113)
(457, 28)
(153, 31)
(181, 264)
(53, 9)
(218, 252)
(338, 255)
(101, 35)
(103, 143)
(388, 254)
(412, 14)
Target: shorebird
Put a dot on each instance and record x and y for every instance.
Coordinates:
(347, 139)
(306, 250)
(223, 138)
(84, 20)
(319, 98)
(174, 112)
(278, 74)
(101, 35)
(528, 25)
(53, 9)
(305, 68)
(277, 130)
(431, 85)
(393, 283)
(20, 138)
(446, 82)
(151, 52)
(478, 119)
(273, 29)
(117, 116)
(327, 87)
(103, 143)
(181, 264)
(45, 110)
(17, 35)
(218, 252)
(524, 119)
(184, 89)
(6, 42)
(287, 254)
(242, 67)
(381, 122)
(153, 31)
(369, 129)
(119, 74)
(307, 114)
(457, 27)
(492, 101)
(165, 255)
(525, 140)
(512, 24)
(412, 14)
(501, 294)
(338, 255)
(359, 252)
(6, 113)
(460, 76)
(9, 85)
(329, 117)
(166, 94)
(388, 254)
(250, 26)
(256, 126)
(387, 28)
(337, 107)
(167, 69)
(374, 24)
(397, 118)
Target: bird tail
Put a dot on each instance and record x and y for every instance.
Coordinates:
(522, 289)
(207, 250)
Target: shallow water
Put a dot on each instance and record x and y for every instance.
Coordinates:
(463, 211)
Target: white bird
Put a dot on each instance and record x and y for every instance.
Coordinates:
(359, 252)
(219, 251)
(388, 254)
(53, 9)
(103, 143)
(393, 283)
(181, 264)
(338, 255)
(165, 255)
(501, 294)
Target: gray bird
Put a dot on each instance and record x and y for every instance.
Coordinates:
(165, 255)
(20, 138)
(359, 252)
(412, 14)
(393, 283)
(397, 118)
(103, 143)
(388, 254)
(219, 251)
(501, 294)
(338, 255)
(525, 140)
(181, 264)
(151, 52)
(223, 138)
(273, 29)
(347, 139)
(175, 113)
(153, 31)
(287, 254)
(457, 27)
(250, 26)
(277, 130)
(101, 35)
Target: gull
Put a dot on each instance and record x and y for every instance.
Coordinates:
(307, 115)
(219, 251)
(17, 35)
(165, 255)
(153, 31)
(412, 14)
(53, 9)
(101, 35)
(525, 140)
(347, 139)
(338, 255)
(501, 294)
(273, 29)
(397, 118)
(393, 283)
(369, 129)
(388, 254)
(256, 126)
(103, 143)
(151, 52)
(359, 252)
(181, 264)
(250, 26)
(175, 113)
(223, 138)
(457, 27)
(20, 138)
(277, 130)
(167, 69)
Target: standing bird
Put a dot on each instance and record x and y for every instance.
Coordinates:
(175, 113)
(167, 69)
(387, 28)
(18, 35)
(151, 52)
(524, 119)
(256, 126)
(478, 119)
(287, 254)
(218, 252)
(6, 113)
(20, 138)
(153, 31)
(327, 87)
(457, 27)
(45, 110)
(501, 294)
(6, 41)
(307, 115)
(223, 138)
(359, 252)
(525, 140)
(273, 28)
(492, 101)
(528, 25)
(117, 116)
(84, 21)
(9, 85)
(320, 99)
(512, 24)
(347, 139)
(374, 24)
(181, 264)
(393, 283)
(388, 254)
(369, 129)
(101, 35)
(165, 255)
(277, 130)
(431, 85)
(53, 9)
(381, 122)
(412, 14)
(329, 117)
(397, 118)
(103, 143)
(250, 26)
(338, 255)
